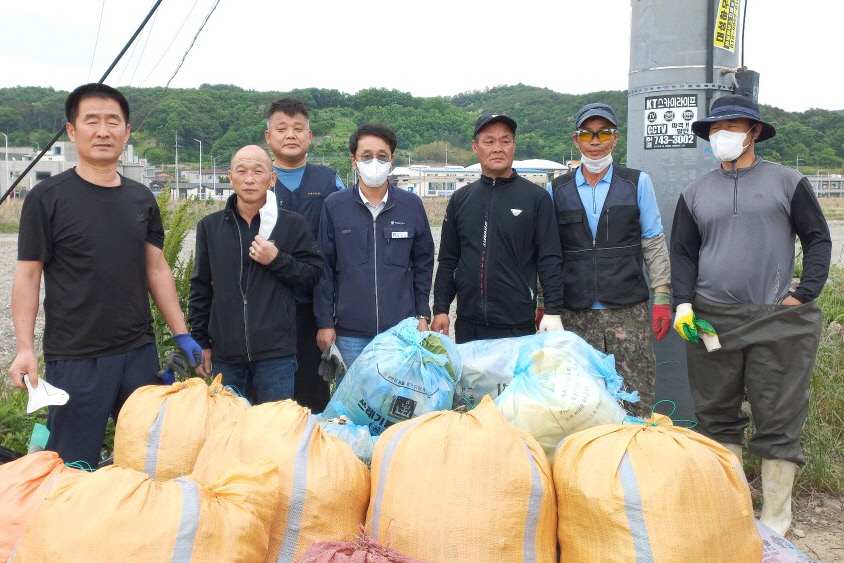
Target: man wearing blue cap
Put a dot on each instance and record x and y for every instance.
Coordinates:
(732, 259)
(610, 227)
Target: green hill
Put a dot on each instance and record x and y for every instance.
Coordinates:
(226, 117)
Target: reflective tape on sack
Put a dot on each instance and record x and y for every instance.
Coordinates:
(153, 441)
(533, 509)
(188, 522)
(297, 494)
(634, 512)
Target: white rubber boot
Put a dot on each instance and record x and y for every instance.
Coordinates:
(736, 449)
(777, 482)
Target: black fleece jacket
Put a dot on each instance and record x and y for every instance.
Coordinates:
(497, 235)
(260, 322)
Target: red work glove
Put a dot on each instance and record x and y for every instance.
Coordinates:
(661, 315)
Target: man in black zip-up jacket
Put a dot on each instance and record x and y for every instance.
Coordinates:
(498, 234)
(248, 259)
(379, 252)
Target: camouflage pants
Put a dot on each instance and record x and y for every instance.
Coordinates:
(626, 334)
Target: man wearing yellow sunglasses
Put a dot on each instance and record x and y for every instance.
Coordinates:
(610, 227)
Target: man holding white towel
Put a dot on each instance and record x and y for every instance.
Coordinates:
(249, 256)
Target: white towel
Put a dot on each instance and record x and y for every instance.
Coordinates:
(269, 216)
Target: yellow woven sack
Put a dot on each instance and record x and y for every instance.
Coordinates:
(470, 487)
(121, 515)
(324, 487)
(161, 428)
(652, 492)
(23, 485)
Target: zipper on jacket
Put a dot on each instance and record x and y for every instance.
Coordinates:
(375, 260)
(595, 266)
(375, 268)
(486, 253)
(243, 293)
(735, 187)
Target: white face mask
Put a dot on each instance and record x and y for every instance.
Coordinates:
(373, 172)
(594, 165)
(727, 146)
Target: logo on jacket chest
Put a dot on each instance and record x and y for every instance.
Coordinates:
(516, 212)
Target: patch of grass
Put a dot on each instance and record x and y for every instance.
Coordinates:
(833, 207)
(15, 424)
(435, 209)
(823, 434)
(10, 215)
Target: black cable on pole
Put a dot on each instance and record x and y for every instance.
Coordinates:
(61, 131)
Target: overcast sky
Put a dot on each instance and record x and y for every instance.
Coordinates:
(431, 47)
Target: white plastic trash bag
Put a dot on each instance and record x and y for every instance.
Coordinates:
(552, 396)
(489, 365)
(401, 374)
(777, 549)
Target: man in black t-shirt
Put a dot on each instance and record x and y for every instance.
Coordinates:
(97, 238)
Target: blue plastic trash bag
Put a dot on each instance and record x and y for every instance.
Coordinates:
(356, 436)
(401, 374)
(489, 365)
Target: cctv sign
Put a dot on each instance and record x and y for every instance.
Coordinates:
(668, 121)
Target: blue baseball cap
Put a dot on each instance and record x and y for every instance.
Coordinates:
(733, 106)
(595, 110)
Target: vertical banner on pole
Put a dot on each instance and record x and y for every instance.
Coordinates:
(726, 25)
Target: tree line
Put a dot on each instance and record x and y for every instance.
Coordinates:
(226, 117)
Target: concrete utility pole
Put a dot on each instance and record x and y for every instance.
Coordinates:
(200, 190)
(6, 165)
(683, 55)
(177, 165)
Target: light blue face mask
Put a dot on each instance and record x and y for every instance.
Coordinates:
(374, 172)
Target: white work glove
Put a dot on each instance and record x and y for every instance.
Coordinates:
(693, 329)
(550, 322)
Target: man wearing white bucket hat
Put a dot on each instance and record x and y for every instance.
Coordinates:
(732, 258)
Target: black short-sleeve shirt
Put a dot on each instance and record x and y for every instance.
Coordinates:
(92, 241)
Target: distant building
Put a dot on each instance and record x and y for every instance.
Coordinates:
(195, 190)
(827, 185)
(431, 181)
(61, 156)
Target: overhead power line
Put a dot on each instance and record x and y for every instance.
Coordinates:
(171, 43)
(214, 7)
(61, 131)
(97, 40)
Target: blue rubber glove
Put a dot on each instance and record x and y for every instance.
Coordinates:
(192, 350)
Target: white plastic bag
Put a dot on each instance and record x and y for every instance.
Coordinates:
(777, 549)
(489, 365)
(552, 396)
